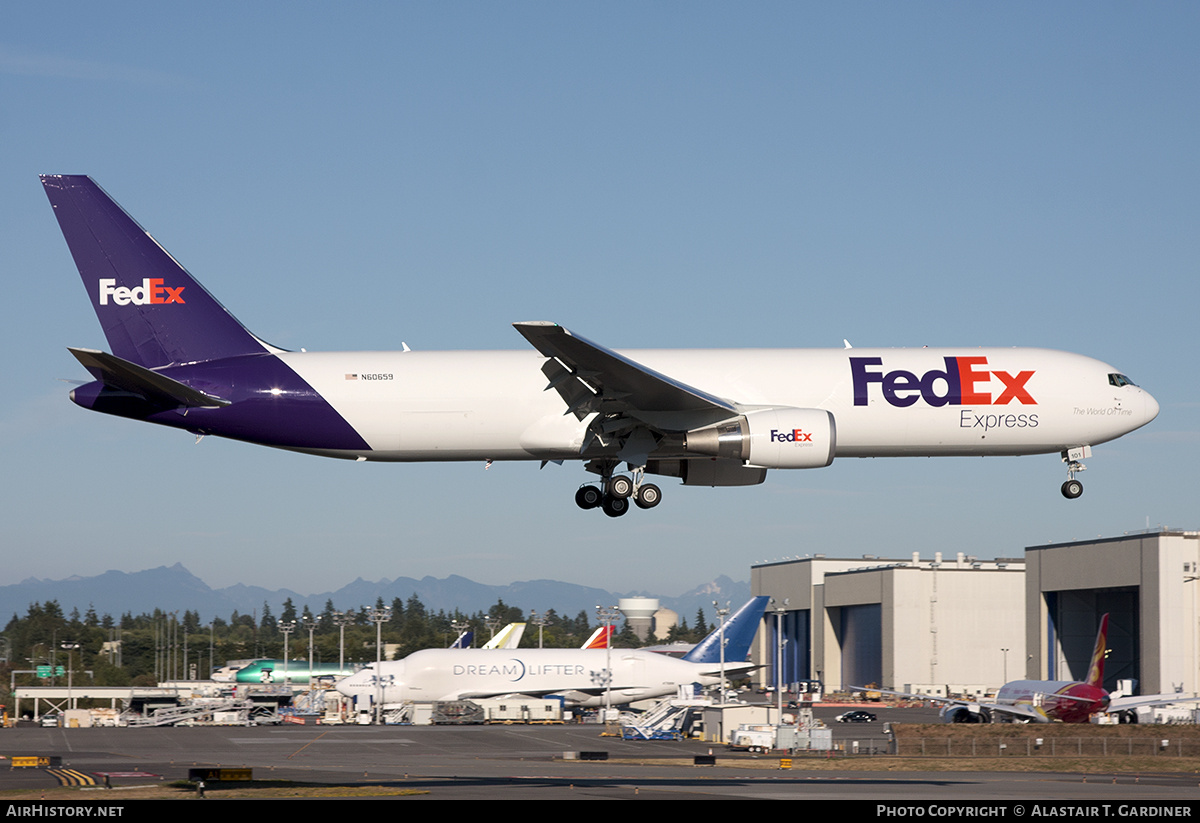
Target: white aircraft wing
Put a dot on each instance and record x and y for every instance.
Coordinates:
(1120, 704)
(1018, 710)
(592, 378)
(930, 697)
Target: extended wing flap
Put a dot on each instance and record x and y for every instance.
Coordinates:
(577, 394)
(615, 383)
(130, 377)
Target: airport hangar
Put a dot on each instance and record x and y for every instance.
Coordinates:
(967, 626)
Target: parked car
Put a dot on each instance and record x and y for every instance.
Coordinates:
(857, 716)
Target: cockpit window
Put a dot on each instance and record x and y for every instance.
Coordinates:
(1120, 380)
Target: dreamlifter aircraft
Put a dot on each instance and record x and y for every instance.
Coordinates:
(708, 417)
(579, 676)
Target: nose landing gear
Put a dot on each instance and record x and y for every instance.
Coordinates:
(1073, 488)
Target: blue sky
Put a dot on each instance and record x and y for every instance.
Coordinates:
(351, 176)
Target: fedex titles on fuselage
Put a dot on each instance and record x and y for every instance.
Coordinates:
(965, 381)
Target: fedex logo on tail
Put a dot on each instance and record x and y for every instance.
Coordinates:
(965, 381)
(151, 292)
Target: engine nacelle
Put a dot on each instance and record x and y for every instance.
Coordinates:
(965, 714)
(708, 471)
(774, 438)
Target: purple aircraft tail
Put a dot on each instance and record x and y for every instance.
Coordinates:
(152, 311)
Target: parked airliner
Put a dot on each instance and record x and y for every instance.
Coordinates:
(1044, 701)
(297, 671)
(579, 676)
(707, 417)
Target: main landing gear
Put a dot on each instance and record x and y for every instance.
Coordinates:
(614, 493)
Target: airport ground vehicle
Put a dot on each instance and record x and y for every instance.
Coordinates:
(857, 716)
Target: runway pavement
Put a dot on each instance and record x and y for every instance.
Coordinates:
(522, 762)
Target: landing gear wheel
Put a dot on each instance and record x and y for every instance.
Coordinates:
(1072, 489)
(588, 497)
(648, 496)
(620, 486)
(616, 506)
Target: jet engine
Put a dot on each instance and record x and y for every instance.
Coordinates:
(771, 438)
(965, 714)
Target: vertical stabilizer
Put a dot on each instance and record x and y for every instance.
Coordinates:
(152, 311)
(600, 639)
(739, 634)
(1095, 675)
(507, 638)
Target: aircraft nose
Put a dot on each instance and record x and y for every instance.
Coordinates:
(349, 686)
(1150, 407)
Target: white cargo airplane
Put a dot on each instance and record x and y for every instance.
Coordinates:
(579, 676)
(707, 417)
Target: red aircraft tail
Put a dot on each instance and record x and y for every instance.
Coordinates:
(600, 639)
(1095, 675)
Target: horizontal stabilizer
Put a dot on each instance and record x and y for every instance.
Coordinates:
(120, 374)
(731, 669)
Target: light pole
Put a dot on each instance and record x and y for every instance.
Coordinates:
(607, 617)
(173, 646)
(311, 625)
(287, 627)
(780, 608)
(379, 616)
(538, 620)
(342, 619)
(70, 646)
(721, 612)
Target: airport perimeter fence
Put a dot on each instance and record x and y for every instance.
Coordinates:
(1164, 745)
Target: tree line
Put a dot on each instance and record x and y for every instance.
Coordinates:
(145, 649)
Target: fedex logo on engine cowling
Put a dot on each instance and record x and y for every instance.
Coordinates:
(794, 436)
(151, 292)
(964, 382)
